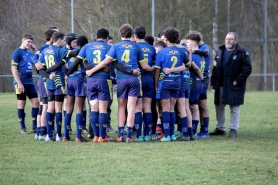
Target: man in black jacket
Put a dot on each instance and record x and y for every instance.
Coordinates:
(231, 68)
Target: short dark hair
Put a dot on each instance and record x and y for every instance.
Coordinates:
(28, 36)
(160, 44)
(149, 40)
(126, 31)
(81, 41)
(140, 31)
(102, 33)
(110, 37)
(48, 34)
(57, 35)
(160, 34)
(194, 36)
(171, 34)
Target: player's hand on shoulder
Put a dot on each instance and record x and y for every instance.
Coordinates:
(167, 71)
(38, 66)
(136, 72)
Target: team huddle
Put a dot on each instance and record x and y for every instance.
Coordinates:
(160, 82)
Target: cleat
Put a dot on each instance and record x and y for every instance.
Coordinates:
(232, 133)
(147, 138)
(166, 139)
(58, 138)
(100, 140)
(36, 137)
(85, 131)
(65, 139)
(191, 136)
(139, 139)
(173, 138)
(80, 140)
(95, 140)
(153, 137)
(158, 130)
(23, 131)
(218, 132)
(161, 135)
(119, 139)
(110, 130)
(129, 140)
(184, 138)
(42, 137)
(202, 135)
(178, 133)
(47, 139)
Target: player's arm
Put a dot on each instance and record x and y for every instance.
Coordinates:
(174, 69)
(72, 53)
(101, 65)
(56, 66)
(123, 69)
(74, 66)
(201, 53)
(156, 76)
(145, 66)
(87, 66)
(197, 71)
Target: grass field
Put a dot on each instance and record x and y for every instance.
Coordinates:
(251, 158)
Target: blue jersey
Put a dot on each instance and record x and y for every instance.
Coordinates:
(205, 47)
(185, 79)
(128, 54)
(94, 53)
(149, 55)
(171, 57)
(79, 73)
(201, 63)
(22, 58)
(37, 55)
(51, 56)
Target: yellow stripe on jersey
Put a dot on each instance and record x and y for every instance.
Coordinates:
(80, 58)
(109, 82)
(214, 63)
(14, 63)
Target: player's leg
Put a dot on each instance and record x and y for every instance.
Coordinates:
(138, 121)
(147, 117)
(183, 120)
(204, 117)
(50, 116)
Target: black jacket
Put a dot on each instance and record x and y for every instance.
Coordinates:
(238, 68)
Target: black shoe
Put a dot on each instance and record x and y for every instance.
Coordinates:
(191, 136)
(183, 138)
(217, 132)
(232, 133)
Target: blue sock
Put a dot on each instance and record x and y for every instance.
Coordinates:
(189, 129)
(138, 123)
(206, 124)
(84, 118)
(172, 123)
(59, 119)
(79, 126)
(43, 130)
(166, 123)
(65, 113)
(67, 125)
(102, 119)
(194, 126)
(21, 118)
(128, 132)
(184, 126)
(34, 114)
(147, 117)
(94, 123)
(49, 124)
(121, 131)
(38, 130)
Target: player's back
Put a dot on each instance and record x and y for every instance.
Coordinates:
(171, 57)
(200, 62)
(149, 55)
(128, 54)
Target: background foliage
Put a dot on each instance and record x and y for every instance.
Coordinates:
(246, 19)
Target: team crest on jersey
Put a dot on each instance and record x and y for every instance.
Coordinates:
(234, 57)
(98, 46)
(173, 52)
(49, 51)
(127, 46)
(145, 49)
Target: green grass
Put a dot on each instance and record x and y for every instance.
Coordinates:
(251, 158)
